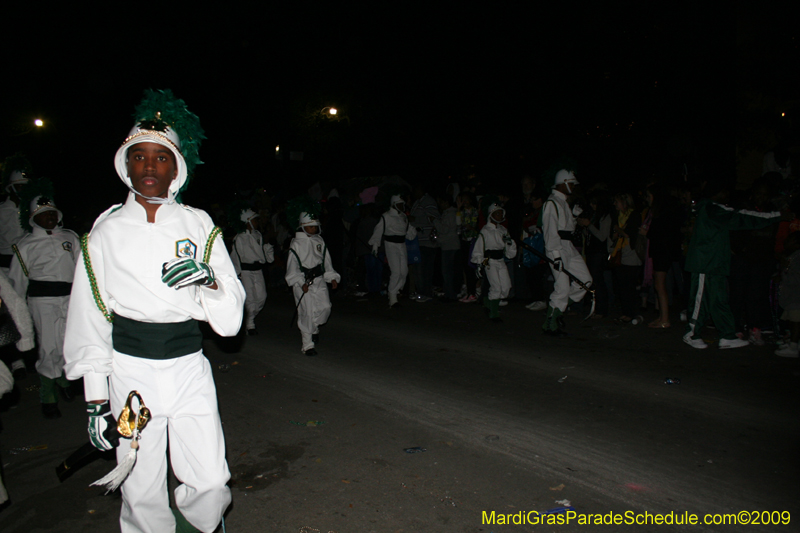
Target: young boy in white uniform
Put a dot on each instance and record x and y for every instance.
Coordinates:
(42, 270)
(250, 255)
(394, 229)
(491, 248)
(153, 269)
(308, 271)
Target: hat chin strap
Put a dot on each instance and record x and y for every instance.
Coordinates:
(169, 200)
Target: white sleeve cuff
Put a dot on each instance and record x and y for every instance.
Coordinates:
(95, 386)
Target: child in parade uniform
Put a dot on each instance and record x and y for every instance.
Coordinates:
(250, 255)
(308, 271)
(393, 228)
(153, 269)
(493, 245)
(42, 270)
(16, 169)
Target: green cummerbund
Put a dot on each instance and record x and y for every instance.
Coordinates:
(156, 341)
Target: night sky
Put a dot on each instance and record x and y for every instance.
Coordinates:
(628, 91)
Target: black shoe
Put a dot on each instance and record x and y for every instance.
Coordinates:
(252, 332)
(555, 333)
(315, 338)
(50, 411)
(496, 320)
(66, 393)
(310, 351)
(19, 374)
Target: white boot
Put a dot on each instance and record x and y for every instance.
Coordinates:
(789, 350)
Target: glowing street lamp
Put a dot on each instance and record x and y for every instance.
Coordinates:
(38, 122)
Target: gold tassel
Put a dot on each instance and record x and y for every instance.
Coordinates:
(128, 425)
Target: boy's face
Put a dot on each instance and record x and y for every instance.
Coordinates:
(47, 220)
(152, 168)
(311, 230)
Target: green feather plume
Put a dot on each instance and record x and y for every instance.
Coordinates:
(234, 215)
(486, 201)
(549, 175)
(13, 163)
(302, 204)
(39, 187)
(159, 109)
(384, 196)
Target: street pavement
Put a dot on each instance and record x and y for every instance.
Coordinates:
(507, 421)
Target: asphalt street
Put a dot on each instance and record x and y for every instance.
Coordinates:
(507, 421)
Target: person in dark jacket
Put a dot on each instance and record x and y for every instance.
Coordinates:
(709, 262)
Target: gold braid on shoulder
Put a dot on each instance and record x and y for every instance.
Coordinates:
(87, 263)
(210, 243)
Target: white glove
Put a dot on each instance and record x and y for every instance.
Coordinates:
(375, 251)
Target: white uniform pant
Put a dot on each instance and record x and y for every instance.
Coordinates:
(314, 310)
(498, 278)
(564, 290)
(255, 289)
(181, 396)
(50, 319)
(397, 257)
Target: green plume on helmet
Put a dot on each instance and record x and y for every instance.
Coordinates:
(384, 196)
(301, 204)
(233, 212)
(159, 109)
(549, 175)
(39, 187)
(15, 163)
(486, 201)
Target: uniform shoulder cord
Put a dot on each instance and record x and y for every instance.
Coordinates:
(210, 243)
(87, 263)
(21, 262)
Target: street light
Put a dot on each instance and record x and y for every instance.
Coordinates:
(38, 122)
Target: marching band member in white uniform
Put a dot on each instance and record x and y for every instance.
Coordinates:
(394, 229)
(558, 224)
(308, 271)
(152, 269)
(250, 255)
(491, 248)
(42, 270)
(15, 177)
